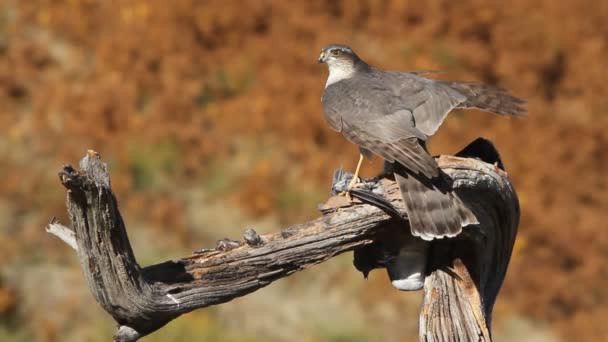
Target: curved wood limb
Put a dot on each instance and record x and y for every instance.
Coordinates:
(464, 274)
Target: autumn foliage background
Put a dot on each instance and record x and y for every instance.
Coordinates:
(208, 113)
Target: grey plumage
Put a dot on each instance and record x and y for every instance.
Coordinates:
(392, 114)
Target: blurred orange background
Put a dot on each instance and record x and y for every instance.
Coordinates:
(208, 114)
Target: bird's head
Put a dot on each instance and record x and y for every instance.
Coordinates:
(337, 54)
(341, 60)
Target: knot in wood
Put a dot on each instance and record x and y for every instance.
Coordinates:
(252, 238)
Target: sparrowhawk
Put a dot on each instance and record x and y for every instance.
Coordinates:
(392, 114)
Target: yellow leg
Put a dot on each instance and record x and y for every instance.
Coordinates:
(355, 178)
(354, 182)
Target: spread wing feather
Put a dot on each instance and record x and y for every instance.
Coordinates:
(406, 151)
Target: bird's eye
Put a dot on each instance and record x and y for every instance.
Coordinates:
(336, 53)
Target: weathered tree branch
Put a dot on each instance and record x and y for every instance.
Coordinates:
(464, 274)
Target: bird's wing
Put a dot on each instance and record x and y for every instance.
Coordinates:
(429, 100)
(394, 144)
(392, 127)
(488, 98)
(372, 116)
(332, 103)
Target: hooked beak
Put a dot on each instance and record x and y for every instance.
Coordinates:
(321, 57)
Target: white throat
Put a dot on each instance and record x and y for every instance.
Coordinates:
(338, 73)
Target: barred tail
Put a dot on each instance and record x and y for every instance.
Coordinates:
(434, 210)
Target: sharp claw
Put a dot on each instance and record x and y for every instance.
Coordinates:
(355, 183)
(347, 195)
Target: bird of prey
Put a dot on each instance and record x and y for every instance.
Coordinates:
(392, 114)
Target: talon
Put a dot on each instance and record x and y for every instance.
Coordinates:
(355, 182)
(347, 195)
(355, 185)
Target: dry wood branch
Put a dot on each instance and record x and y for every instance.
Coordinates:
(464, 274)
